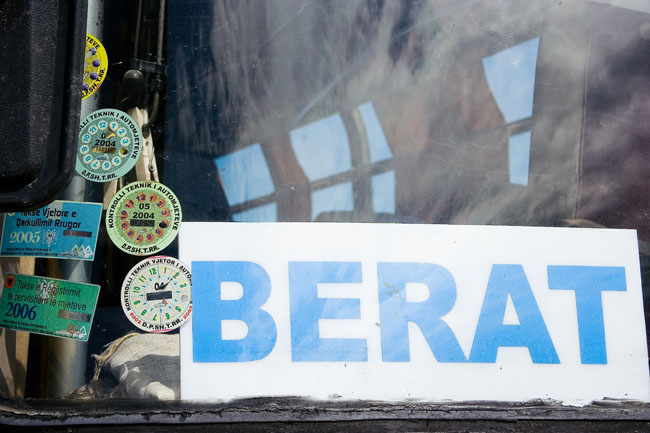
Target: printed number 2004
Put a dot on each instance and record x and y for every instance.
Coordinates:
(24, 237)
(21, 310)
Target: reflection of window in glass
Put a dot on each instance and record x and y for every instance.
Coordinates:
(246, 177)
(383, 192)
(342, 152)
(519, 157)
(332, 198)
(377, 144)
(347, 166)
(511, 77)
(267, 212)
(322, 147)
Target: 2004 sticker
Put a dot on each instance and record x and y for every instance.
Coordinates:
(109, 145)
(143, 218)
(157, 294)
(95, 65)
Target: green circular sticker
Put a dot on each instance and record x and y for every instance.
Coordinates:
(143, 218)
(157, 294)
(95, 64)
(109, 145)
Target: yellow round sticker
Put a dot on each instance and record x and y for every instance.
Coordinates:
(95, 65)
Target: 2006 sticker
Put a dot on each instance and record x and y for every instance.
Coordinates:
(48, 306)
(95, 65)
(143, 218)
(157, 294)
(109, 145)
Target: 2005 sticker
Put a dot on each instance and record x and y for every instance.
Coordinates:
(157, 294)
(95, 65)
(62, 229)
(109, 145)
(143, 218)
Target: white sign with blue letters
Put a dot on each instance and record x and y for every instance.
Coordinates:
(402, 312)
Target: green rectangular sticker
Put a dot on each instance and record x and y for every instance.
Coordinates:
(48, 306)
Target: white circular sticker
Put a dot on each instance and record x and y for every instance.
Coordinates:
(157, 294)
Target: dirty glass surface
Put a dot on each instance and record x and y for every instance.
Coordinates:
(433, 112)
(440, 112)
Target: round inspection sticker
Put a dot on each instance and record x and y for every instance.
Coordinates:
(157, 294)
(109, 145)
(143, 218)
(95, 65)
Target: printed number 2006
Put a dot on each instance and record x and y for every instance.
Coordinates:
(24, 237)
(21, 310)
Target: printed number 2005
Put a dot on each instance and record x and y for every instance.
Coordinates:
(21, 310)
(24, 237)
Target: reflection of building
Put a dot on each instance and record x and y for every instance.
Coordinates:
(532, 119)
(511, 77)
(336, 168)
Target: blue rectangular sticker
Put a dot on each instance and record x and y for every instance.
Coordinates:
(62, 229)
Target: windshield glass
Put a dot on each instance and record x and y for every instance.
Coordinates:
(428, 112)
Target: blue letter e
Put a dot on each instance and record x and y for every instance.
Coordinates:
(210, 310)
(307, 309)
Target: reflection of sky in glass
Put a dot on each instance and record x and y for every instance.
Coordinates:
(379, 149)
(266, 213)
(518, 158)
(511, 76)
(245, 175)
(322, 147)
(383, 192)
(333, 198)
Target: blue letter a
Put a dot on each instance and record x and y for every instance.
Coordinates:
(531, 332)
